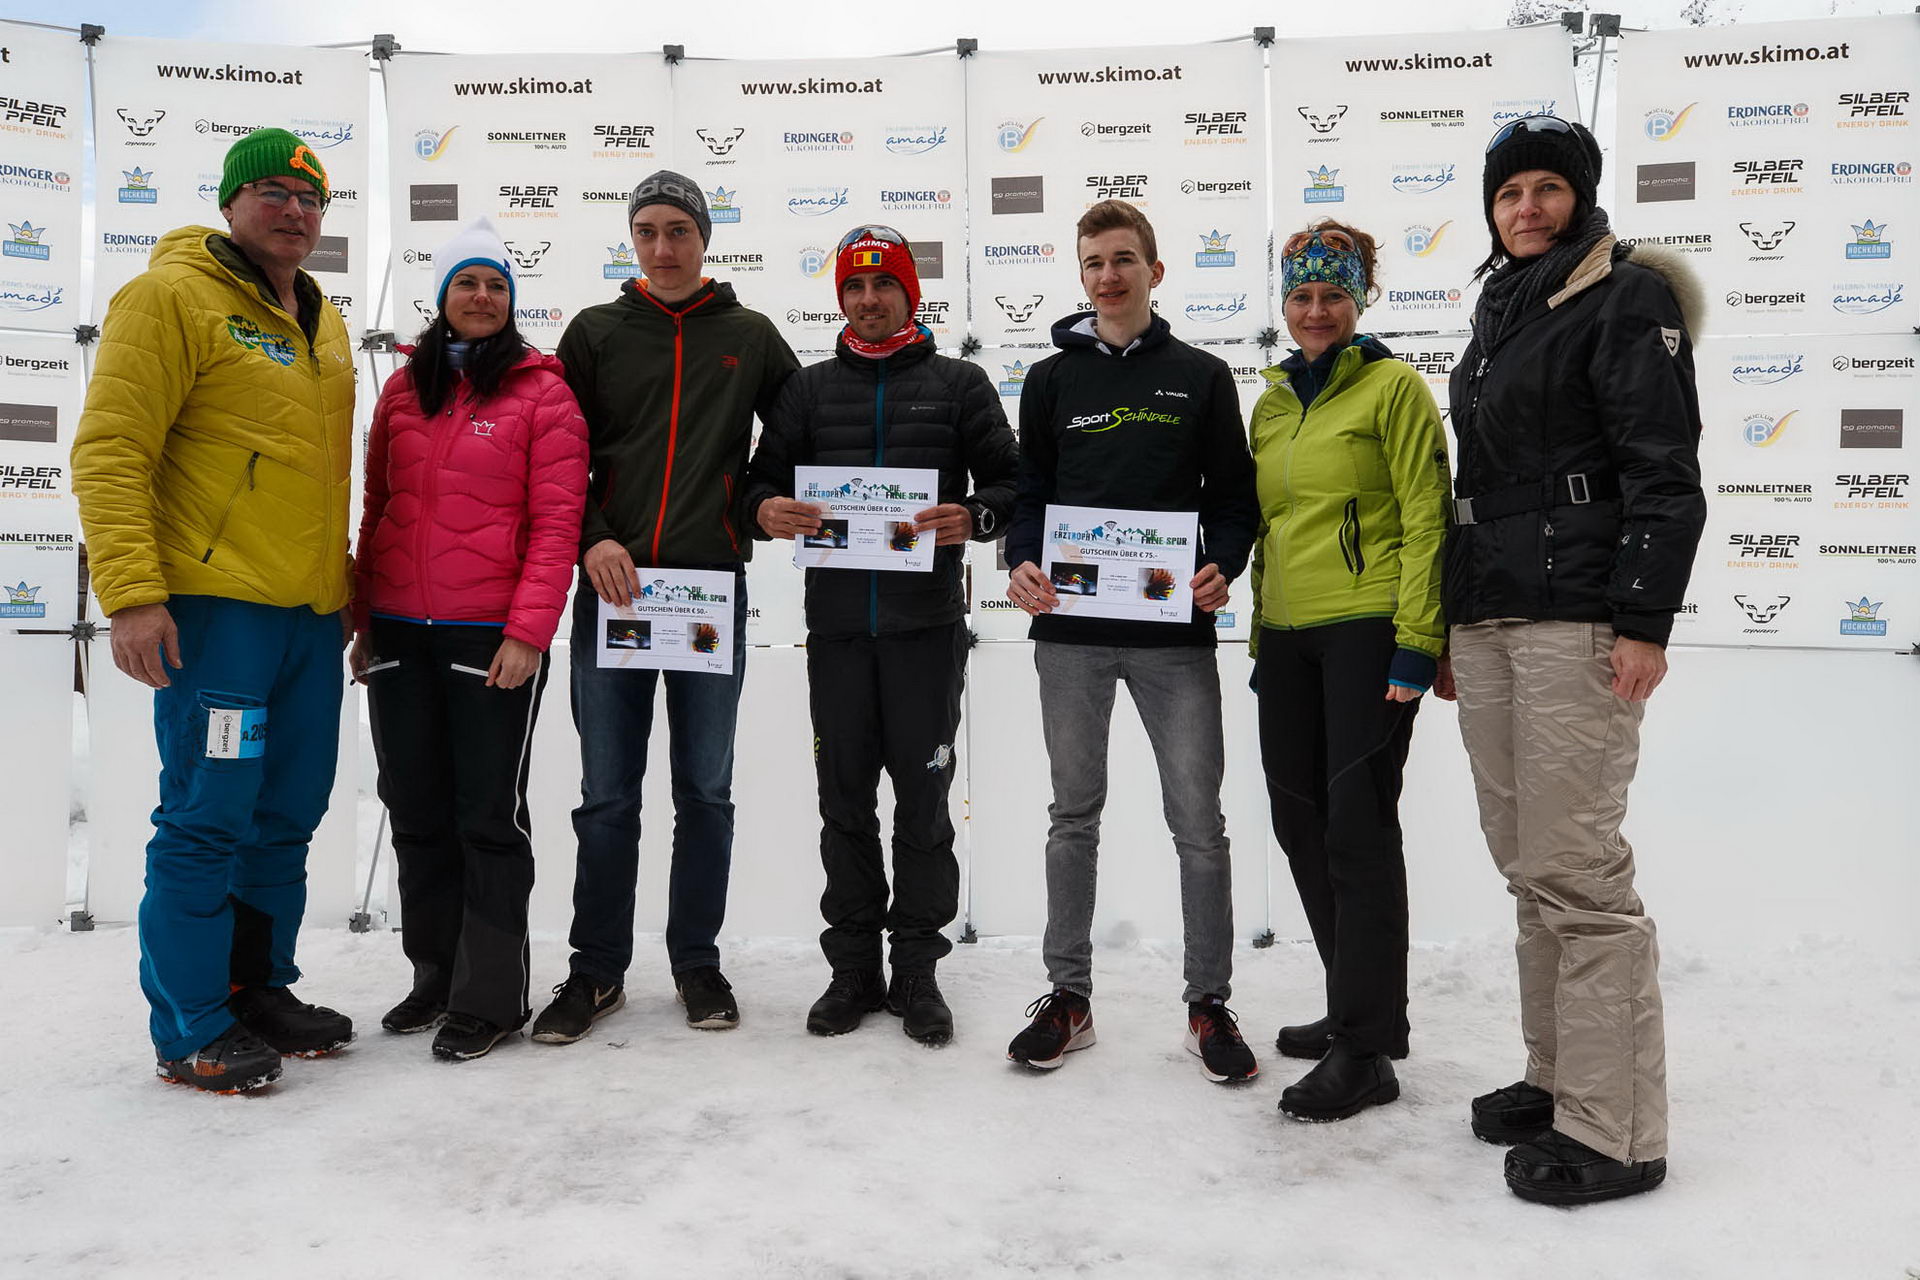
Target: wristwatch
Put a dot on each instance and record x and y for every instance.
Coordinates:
(982, 517)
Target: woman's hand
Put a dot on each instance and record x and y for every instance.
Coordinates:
(1400, 693)
(513, 662)
(360, 656)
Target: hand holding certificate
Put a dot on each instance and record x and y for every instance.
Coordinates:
(1108, 563)
(867, 518)
(679, 620)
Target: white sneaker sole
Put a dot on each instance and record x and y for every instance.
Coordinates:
(1193, 1047)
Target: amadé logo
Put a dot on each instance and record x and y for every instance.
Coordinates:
(1766, 369)
(814, 202)
(1867, 299)
(909, 141)
(1421, 179)
(1214, 308)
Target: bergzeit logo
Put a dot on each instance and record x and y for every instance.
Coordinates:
(1212, 189)
(1662, 123)
(1763, 431)
(1421, 179)
(1420, 240)
(1108, 131)
(815, 202)
(1325, 188)
(1867, 299)
(914, 140)
(1015, 136)
(1213, 251)
(1770, 302)
(1869, 241)
(1767, 368)
(1748, 115)
(802, 316)
(1659, 183)
(1874, 366)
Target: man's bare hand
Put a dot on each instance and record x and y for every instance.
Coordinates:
(1638, 668)
(610, 570)
(1031, 591)
(141, 633)
(1210, 588)
(950, 523)
(789, 517)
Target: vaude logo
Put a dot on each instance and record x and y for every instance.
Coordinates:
(1867, 299)
(1102, 132)
(1420, 179)
(1856, 364)
(1877, 172)
(1765, 370)
(1768, 236)
(1658, 183)
(1766, 301)
(1322, 120)
(1204, 188)
(908, 141)
(1019, 309)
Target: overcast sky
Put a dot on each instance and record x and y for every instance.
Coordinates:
(783, 29)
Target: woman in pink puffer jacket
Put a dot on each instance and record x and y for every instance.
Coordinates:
(476, 474)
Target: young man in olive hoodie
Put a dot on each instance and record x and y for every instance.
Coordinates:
(669, 378)
(1127, 416)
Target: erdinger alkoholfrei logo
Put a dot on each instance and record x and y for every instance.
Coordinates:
(431, 144)
(1863, 618)
(538, 317)
(620, 264)
(1869, 240)
(1019, 308)
(140, 124)
(1763, 431)
(1213, 250)
(1016, 135)
(139, 188)
(817, 140)
(1421, 240)
(1768, 236)
(35, 178)
(1325, 188)
(1751, 114)
(720, 141)
(1321, 121)
(722, 205)
(1016, 378)
(25, 242)
(1662, 123)
(1853, 173)
(914, 140)
(22, 601)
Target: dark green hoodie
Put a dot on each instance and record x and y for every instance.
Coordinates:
(669, 393)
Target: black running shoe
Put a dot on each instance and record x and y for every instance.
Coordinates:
(234, 1061)
(1213, 1036)
(1062, 1022)
(577, 1004)
(914, 997)
(413, 1015)
(290, 1027)
(463, 1037)
(1556, 1169)
(708, 997)
(851, 996)
(1520, 1112)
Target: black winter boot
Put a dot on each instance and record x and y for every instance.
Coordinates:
(915, 998)
(1556, 1169)
(849, 997)
(1345, 1083)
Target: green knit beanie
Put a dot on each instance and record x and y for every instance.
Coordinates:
(270, 153)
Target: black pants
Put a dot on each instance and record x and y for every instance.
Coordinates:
(890, 702)
(1333, 748)
(453, 759)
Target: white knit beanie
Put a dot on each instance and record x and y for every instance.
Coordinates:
(476, 244)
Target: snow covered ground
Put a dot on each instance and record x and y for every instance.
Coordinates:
(654, 1150)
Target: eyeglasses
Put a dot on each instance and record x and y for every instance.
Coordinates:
(1338, 241)
(276, 197)
(885, 234)
(1528, 124)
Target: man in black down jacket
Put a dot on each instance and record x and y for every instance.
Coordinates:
(886, 651)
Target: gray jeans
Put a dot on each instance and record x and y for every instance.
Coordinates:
(1177, 692)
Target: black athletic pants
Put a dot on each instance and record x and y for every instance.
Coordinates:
(453, 759)
(889, 702)
(1333, 748)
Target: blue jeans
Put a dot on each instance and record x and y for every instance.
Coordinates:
(240, 795)
(613, 711)
(1177, 692)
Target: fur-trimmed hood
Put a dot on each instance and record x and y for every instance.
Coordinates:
(1669, 264)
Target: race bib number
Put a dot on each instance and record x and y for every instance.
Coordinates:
(237, 734)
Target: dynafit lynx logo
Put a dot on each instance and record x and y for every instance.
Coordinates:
(22, 601)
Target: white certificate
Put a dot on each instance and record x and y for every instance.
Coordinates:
(1108, 563)
(682, 620)
(868, 522)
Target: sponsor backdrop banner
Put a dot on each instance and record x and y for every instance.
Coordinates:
(1781, 158)
(168, 110)
(1177, 130)
(1810, 535)
(547, 146)
(1388, 133)
(793, 155)
(43, 90)
(40, 393)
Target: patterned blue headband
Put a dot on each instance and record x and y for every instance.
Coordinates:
(1324, 257)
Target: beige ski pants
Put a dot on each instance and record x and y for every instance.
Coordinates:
(1553, 751)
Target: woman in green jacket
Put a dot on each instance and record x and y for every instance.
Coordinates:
(1352, 474)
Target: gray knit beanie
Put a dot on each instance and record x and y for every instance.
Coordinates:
(683, 193)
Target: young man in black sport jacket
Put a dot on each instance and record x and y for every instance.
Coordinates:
(886, 651)
(1127, 416)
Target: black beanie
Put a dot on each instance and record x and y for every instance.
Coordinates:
(1575, 156)
(664, 186)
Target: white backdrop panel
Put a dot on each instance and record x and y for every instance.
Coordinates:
(799, 153)
(1792, 181)
(1388, 132)
(548, 146)
(40, 395)
(36, 765)
(168, 110)
(43, 93)
(1176, 130)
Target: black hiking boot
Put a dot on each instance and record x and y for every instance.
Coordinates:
(914, 997)
(849, 997)
(413, 1015)
(289, 1026)
(234, 1061)
(1309, 1041)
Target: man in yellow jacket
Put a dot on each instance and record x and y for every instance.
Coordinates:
(212, 467)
